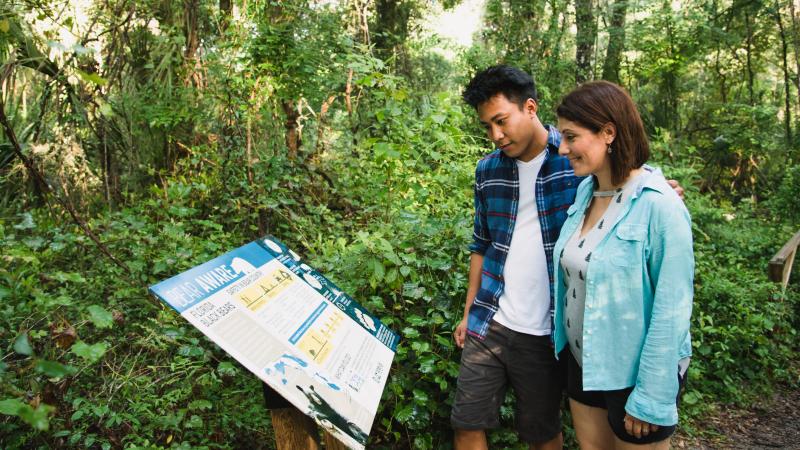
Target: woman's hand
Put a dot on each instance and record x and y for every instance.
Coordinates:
(638, 428)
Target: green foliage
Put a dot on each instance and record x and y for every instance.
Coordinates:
(190, 153)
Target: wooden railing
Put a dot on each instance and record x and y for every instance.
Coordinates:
(780, 266)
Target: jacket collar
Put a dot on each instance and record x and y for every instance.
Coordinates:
(652, 178)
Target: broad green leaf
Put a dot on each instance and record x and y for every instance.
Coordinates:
(92, 78)
(415, 320)
(33, 243)
(37, 418)
(200, 404)
(190, 351)
(69, 276)
(226, 369)
(4, 26)
(404, 413)
(106, 110)
(27, 222)
(378, 270)
(427, 364)
(194, 421)
(410, 333)
(91, 353)
(420, 346)
(100, 317)
(420, 396)
(22, 345)
(691, 397)
(11, 406)
(53, 369)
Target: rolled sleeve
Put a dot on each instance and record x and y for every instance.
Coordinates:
(671, 269)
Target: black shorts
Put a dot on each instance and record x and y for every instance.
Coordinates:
(524, 361)
(613, 401)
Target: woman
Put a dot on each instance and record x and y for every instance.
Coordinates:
(624, 278)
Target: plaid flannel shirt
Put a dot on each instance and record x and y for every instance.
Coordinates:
(496, 203)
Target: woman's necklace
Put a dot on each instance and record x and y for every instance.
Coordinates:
(606, 193)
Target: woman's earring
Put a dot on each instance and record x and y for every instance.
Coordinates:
(609, 149)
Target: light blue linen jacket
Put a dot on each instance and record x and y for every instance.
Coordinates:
(639, 288)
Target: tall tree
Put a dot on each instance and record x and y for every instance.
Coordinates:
(796, 44)
(586, 34)
(391, 28)
(785, 67)
(616, 41)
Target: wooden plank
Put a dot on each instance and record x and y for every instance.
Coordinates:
(331, 443)
(780, 266)
(294, 430)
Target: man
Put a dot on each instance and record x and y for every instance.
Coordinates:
(522, 193)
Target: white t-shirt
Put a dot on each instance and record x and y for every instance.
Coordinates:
(524, 305)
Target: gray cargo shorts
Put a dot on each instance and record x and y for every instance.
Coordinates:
(524, 361)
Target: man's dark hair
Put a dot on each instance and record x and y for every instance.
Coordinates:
(516, 85)
(597, 103)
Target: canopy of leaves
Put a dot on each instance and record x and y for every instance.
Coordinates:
(166, 133)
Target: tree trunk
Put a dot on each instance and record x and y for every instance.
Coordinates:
(786, 84)
(190, 33)
(584, 39)
(616, 41)
(796, 44)
(225, 9)
(360, 22)
(530, 15)
(293, 140)
(723, 89)
(749, 48)
(554, 35)
(280, 17)
(391, 30)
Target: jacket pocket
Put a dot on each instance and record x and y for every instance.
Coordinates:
(627, 244)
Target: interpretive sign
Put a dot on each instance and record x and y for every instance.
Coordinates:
(294, 329)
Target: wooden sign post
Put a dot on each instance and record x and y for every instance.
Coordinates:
(296, 431)
(293, 429)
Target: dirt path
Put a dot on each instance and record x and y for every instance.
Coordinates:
(770, 424)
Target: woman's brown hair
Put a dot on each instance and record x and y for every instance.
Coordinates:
(594, 104)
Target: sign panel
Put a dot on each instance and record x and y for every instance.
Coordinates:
(294, 329)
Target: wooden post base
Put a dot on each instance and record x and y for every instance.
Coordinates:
(296, 431)
(331, 443)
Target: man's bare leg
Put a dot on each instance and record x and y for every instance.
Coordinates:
(557, 443)
(470, 440)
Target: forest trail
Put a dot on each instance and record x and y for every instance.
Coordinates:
(773, 423)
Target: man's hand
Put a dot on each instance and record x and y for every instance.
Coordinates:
(638, 428)
(678, 189)
(460, 334)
